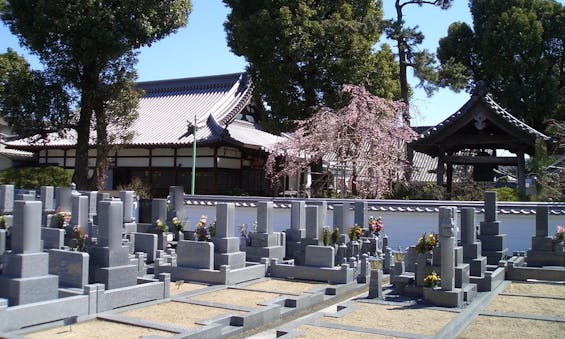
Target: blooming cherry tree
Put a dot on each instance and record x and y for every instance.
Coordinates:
(367, 137)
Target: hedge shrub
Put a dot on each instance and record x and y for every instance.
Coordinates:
(34, 177)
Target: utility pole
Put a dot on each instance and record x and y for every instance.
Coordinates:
(193, 157)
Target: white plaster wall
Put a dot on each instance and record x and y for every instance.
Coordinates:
(402, 228)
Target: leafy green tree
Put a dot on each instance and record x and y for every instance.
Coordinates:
(32, 102)
(87, 46)
(407, 41)
(301, 52)
(516, 47)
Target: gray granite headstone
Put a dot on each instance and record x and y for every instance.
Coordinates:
(25, 278)
(490, 206)
(320, 256)
(158, 210)
(147, 243)
(360, 216)
(110, 216)
(312, 222)
(195, 254)
(71, 267)
(91, 195)
(52, 238)
(2, 241)
(6, 199)
(468, 229)
(297, 215)
(79, 212)
(322, 215)
(225, 220)
(542, 221)
(26, 232)
(341, 213)
(127, 199)
(63, 199)
(264, 217)
(46, 194)
(176, 195)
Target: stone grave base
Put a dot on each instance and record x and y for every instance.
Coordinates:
(545, 258)
(211, 311)
(256, 253)
(99, 328)
(94, 299)
(334, 275)
(29, 290)
(224, 275)
(438, 297)
(494, 276)
(518, 272)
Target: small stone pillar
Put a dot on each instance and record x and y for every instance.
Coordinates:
(376, 285)
(447, 245)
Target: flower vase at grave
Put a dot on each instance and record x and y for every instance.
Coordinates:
(178, 235)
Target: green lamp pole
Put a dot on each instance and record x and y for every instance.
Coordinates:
(193, 158)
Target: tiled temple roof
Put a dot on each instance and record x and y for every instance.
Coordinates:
(490, 103)
(168, 109)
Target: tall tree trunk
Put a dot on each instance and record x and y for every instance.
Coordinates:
(404, 89)
(88, 102)
(102, 149)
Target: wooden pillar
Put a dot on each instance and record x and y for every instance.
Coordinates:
(521, 174)
(175, 169)
(449, 179)
(151, 171)
(440, 168)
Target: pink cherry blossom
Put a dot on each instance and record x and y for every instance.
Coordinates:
(367, 136)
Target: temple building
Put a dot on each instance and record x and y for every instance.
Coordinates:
(231, 146)
(480, 134)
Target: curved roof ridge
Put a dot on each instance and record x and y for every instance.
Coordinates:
(245, 98)
(215, 127)
(489, 100)
(190, 83)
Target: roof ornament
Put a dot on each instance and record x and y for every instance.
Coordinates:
(480, 120)
(189, 125)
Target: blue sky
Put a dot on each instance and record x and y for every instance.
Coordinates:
(201, 49)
